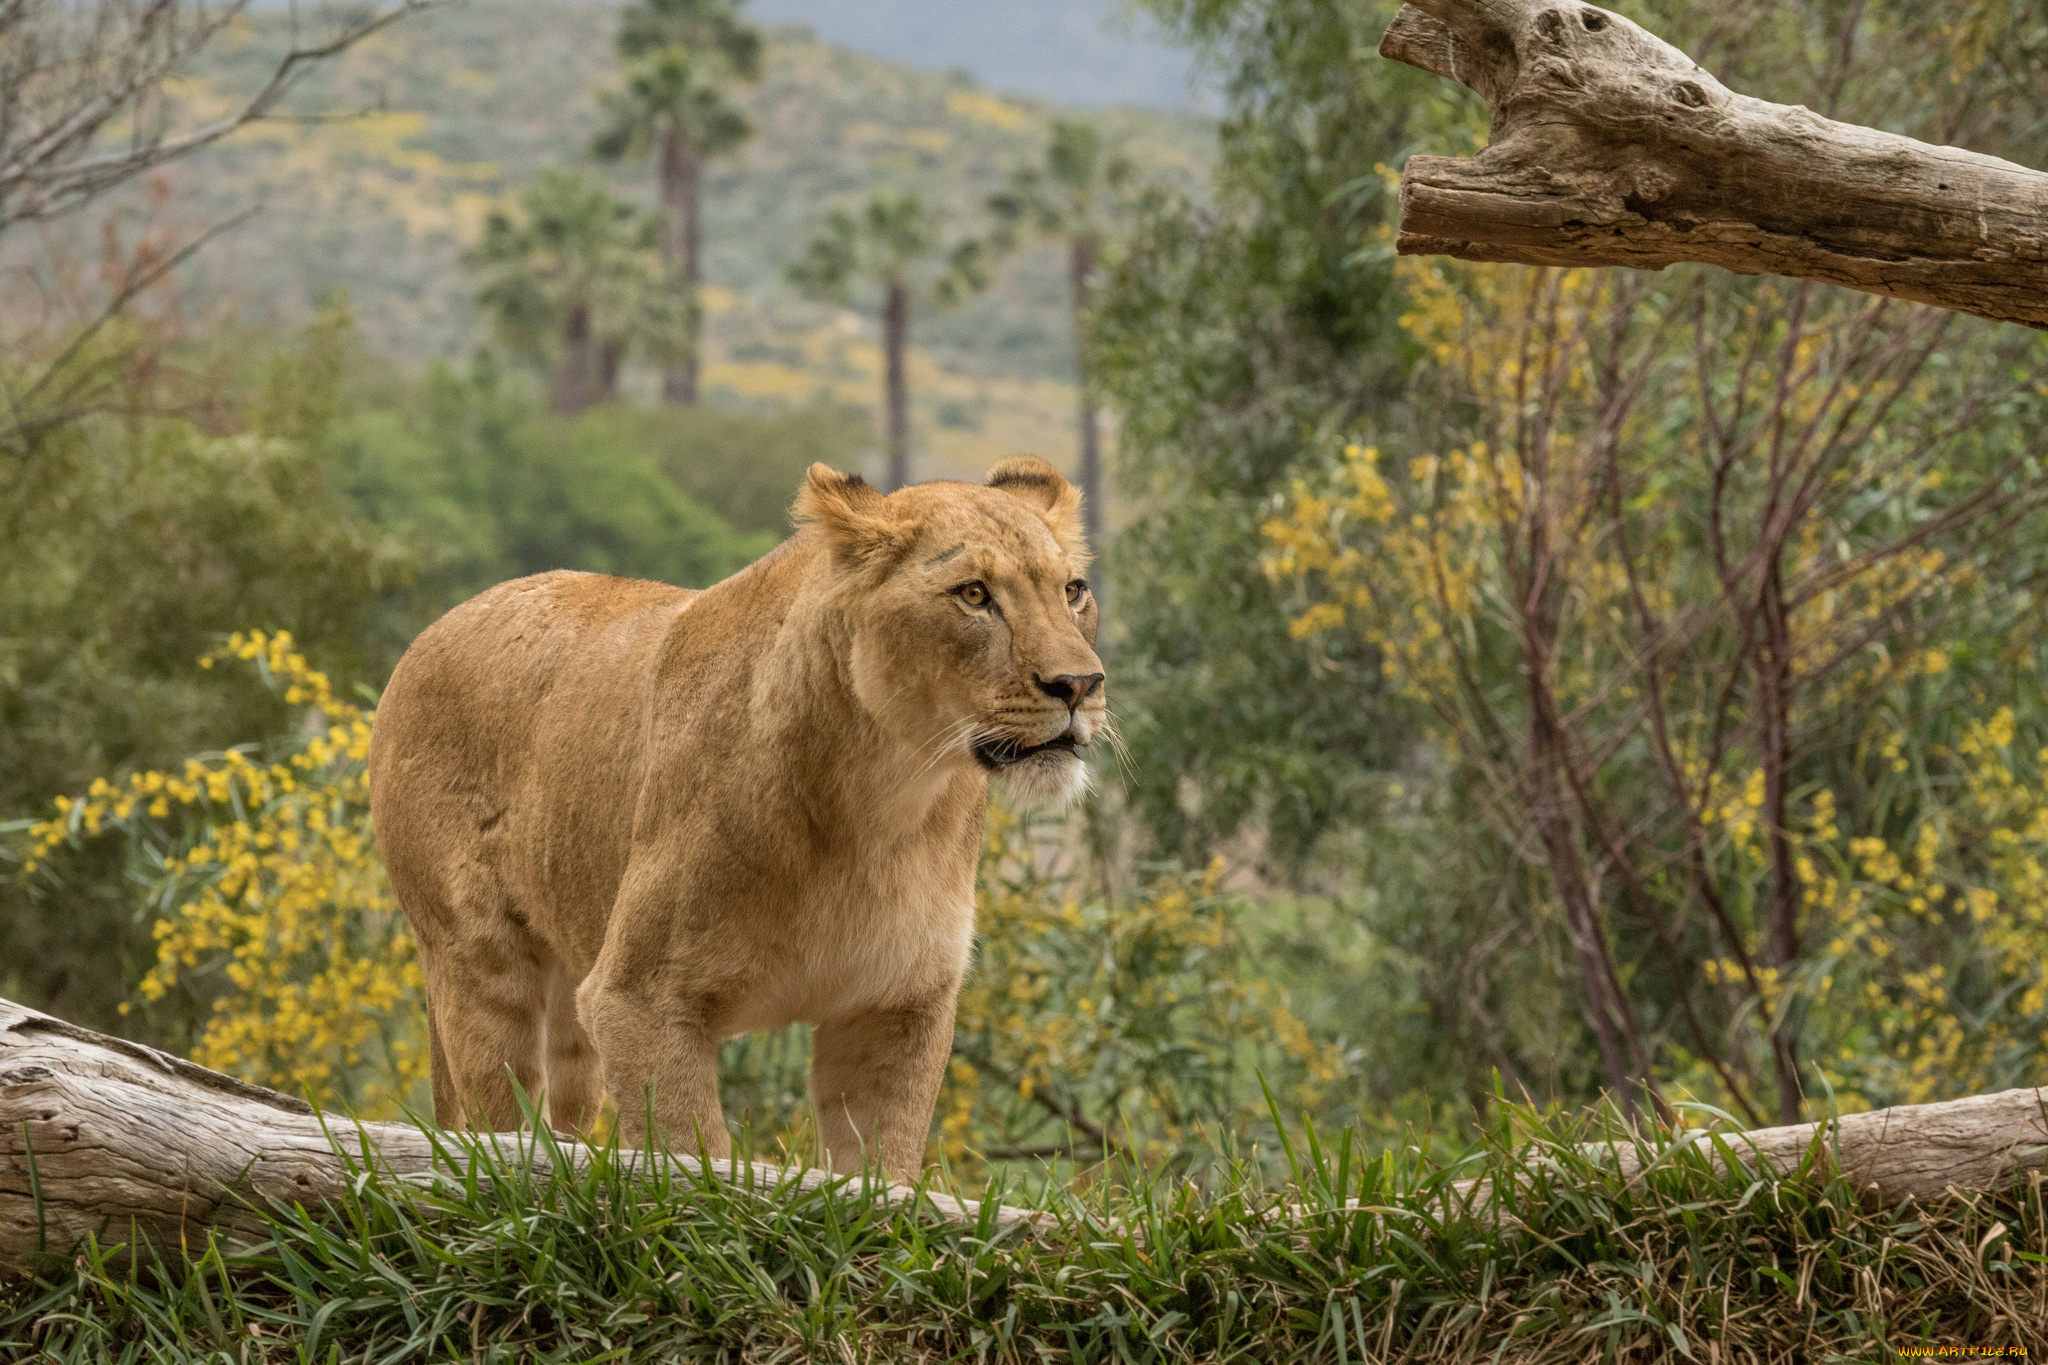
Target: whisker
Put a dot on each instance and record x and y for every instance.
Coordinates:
(1110, 731)
(940, 745)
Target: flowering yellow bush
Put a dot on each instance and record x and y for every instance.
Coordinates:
(1688, 625)
(1934, 977)
(1087, 1025)
(1115, 1021)
(267, 886)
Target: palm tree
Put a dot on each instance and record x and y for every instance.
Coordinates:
(679, 54)
(568, 282)
(1071, 197)
(893, 245)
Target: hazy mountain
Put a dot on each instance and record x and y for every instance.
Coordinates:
(469, 102)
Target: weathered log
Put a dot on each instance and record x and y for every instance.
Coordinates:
(1609, 146)
(1910, 1151)
(108, 1138)
(104, 1137)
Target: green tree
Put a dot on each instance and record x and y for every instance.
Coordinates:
(745, 466)
(680, 55)
(1228, 335)
(1072, 198)
(895, 245)
(568, 283)
(134, 542)
(494, 487)
(1239, 340)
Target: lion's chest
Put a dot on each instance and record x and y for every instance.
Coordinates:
(874, 936)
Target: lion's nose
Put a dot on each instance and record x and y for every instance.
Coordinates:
(1071, 688)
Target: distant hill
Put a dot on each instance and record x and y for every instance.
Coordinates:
(471, 101)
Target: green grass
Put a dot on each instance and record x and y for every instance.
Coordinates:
(1342, 1256)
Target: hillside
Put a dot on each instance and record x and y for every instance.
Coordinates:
(466, 104)
(1090, 53)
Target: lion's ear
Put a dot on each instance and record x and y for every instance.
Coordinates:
(852, 512)
(1038, 483)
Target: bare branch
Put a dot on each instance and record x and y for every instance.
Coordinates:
(81, 92)
(1611, 147)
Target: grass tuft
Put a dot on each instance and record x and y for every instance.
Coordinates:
(1347, 1255)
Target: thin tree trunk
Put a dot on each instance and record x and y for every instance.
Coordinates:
(895, 342)
(1080, 266)
(1623, 1054)
(571, 390)
(611, 355)
(1774, 677)
(681, 237)
(1540, 593)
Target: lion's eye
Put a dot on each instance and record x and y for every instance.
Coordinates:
(974, 594)
(1076, 590)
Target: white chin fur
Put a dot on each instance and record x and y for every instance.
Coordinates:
(1052, 780)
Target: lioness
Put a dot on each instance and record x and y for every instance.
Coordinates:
(629, 820)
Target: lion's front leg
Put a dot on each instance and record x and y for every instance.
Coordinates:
(658, 1057)
(875, 1079)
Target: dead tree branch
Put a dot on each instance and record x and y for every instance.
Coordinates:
(1611, 147)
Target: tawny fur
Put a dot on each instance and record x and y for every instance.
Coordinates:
(629, 820)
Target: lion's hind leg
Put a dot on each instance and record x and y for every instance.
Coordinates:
(574, 1087)
(486, 1002)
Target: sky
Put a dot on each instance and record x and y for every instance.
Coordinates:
(1076, 52)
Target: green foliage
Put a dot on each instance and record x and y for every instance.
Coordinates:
(134, 542)
(1665, 673)
(669, 89)
(711, 27)
(1065, 196)
(1352, 1256)
(1138, 1022)
(894, 241)
(746, 467)
(474, 468)
(570, 284)
(1227, 339)
(1094, 1024)
(1248, 345)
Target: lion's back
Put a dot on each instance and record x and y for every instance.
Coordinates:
(505, 741)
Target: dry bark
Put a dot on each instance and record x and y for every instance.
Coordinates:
(1611, 147)
(1911, 1151)
(103, 1137)
(107, 1138)
(1916, 1152)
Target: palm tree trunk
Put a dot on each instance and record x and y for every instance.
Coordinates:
(611, 354)
(1081, 265)
(570, 392)
(681, 174)
(895, 341)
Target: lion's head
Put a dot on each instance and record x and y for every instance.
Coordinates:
(971, 626)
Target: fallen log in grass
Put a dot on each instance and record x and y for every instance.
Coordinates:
(106, 1138)
(112, 1140)
(1910, 1152)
